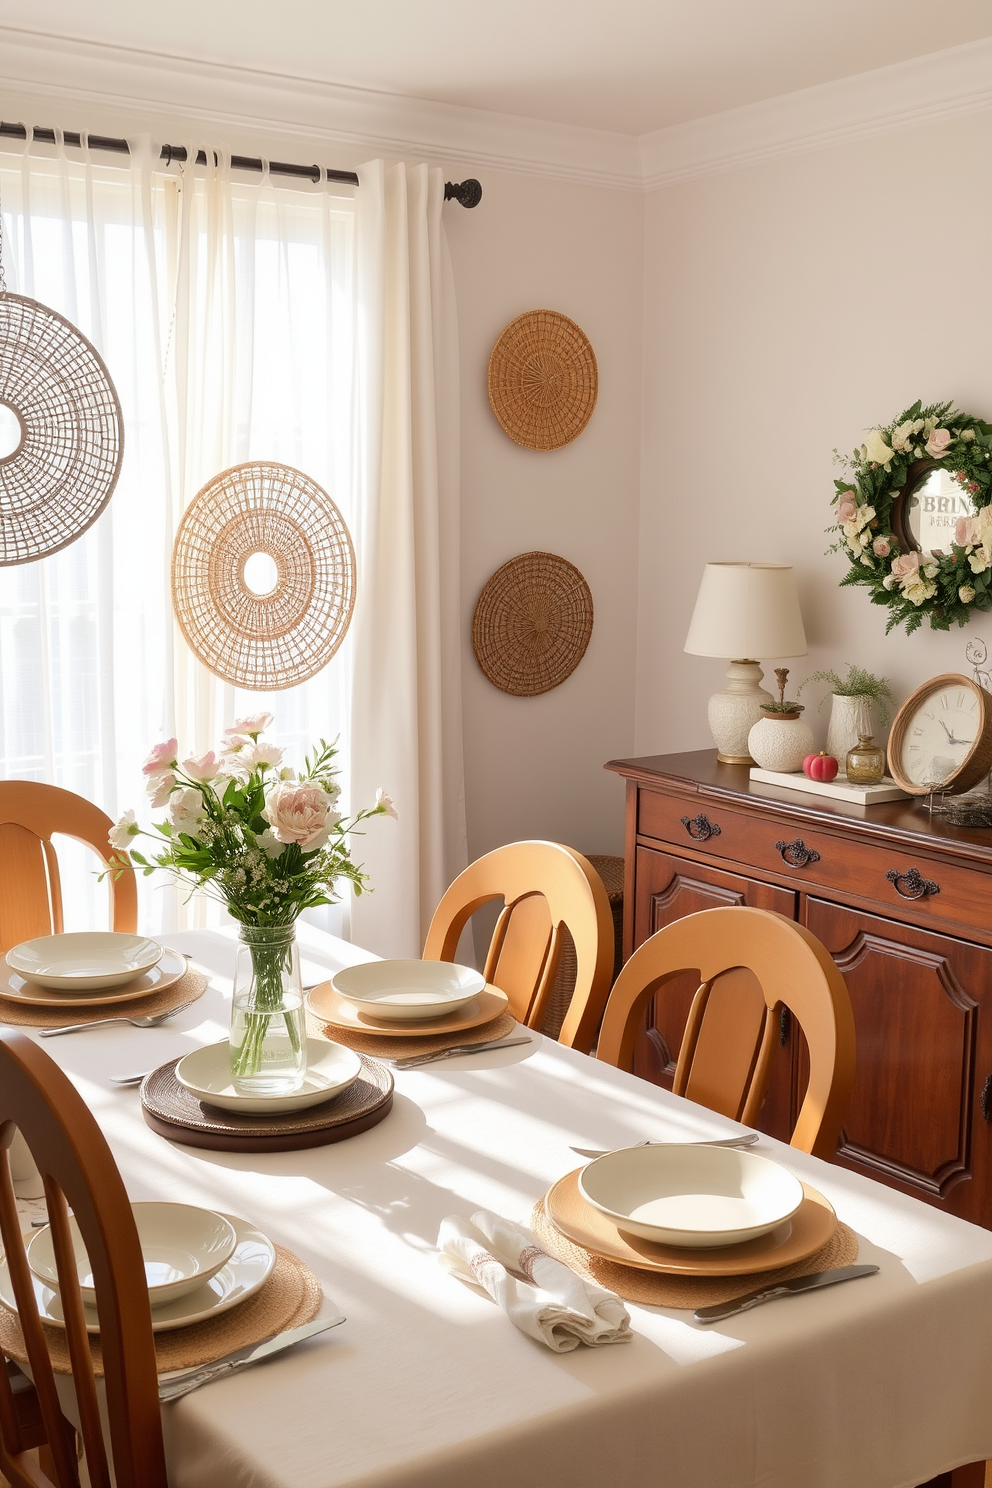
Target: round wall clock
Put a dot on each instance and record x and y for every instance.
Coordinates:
(941, 739)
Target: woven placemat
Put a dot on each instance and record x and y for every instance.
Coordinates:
(543, 380)
(173, 1111)
(189, 988)
(290, 1297)
(384, 1047)
(532, 624)
(657, 1289)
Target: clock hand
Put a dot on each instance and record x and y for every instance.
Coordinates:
(950, 736)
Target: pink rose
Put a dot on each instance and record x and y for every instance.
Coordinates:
(249, 728)
(906, 567)
(963, 532)
(846, 508)
(160, 788)
(202, 767)
(938, 442)
(162, 759)
(880, 547)
(300, 813)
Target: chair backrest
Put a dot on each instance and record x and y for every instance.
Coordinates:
(751, 964)
(544, 887)
(78, 1170)
(30, 888)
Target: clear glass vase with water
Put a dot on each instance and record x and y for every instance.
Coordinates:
(268, 1020)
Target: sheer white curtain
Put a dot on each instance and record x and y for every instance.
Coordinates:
(242, 320)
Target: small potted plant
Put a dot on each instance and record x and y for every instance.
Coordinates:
(853, 698)
(780, 740)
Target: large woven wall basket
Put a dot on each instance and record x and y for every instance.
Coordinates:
(67, 435)
(543, 380)
(532, 624)
(278, 637)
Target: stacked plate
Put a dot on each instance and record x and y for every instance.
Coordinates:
(198, 1263)
(410, 999)
(206, 1074)
(89, 967)
(688, 1210)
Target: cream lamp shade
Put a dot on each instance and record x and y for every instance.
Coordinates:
(744, 611)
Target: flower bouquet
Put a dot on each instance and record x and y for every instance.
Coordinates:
(267, 843)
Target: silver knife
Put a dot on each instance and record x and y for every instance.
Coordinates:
(414, 1059)
(721, 1310)
(172, 1389)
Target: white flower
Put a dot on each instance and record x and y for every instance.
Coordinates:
(202, 767)
(186, 810)
(260, 754)
(978, 561)
(967, 435)
(123, 830)
(270, 844)
(161, 789)
(902, 438)
(384, 804)
(249, 728)
(931, 571)
(919, 592)
(876, 450)
(966, 594)
(287, 774)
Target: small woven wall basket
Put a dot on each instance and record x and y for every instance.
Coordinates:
(532, 624)
(60, 475)
(263, 642)
(543, 380)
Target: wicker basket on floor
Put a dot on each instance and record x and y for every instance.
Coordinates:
(610, 870)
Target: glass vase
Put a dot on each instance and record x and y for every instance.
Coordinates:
(865, 762)
(268, 1021)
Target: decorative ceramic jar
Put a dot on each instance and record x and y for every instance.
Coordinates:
(865, 762)
(780, 741)
(850, 717)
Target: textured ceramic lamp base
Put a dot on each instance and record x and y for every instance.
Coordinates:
(735, 710)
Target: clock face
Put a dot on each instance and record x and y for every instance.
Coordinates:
(940, 735)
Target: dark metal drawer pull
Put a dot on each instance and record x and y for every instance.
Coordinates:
(796, 854)
(916, 887)
(700, 827)
(985, 1100)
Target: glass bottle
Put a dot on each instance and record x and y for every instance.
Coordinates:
(268, 1020)
(865, 762)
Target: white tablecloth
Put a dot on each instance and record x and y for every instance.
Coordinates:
(880, 1383)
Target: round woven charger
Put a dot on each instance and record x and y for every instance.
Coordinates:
(175, 1113)
(263, 642)
(188, 989)
(381, 1046)
(532, 624)
(658, 1289)
(63, 471)
(543, 380)
(290, 1297)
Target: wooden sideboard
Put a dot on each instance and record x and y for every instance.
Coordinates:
(903, 903)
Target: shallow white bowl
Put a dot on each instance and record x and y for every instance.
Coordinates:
(697, 1197)
(83, 960)
(206, 1073)
(404, 991)
(182, 1247)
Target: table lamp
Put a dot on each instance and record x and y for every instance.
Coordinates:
(745, 610)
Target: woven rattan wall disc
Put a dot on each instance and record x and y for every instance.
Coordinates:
(263, 641)
(532, 624)
(64, 465)
(543, 380)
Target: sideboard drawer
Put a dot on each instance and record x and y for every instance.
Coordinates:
(894, 879)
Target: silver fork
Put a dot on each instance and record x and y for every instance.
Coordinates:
(151, 1021)
(746, 1141)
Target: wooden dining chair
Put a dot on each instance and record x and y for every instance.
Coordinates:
(545, 887)
(30, 887)
(79, 1172)
(751, 964)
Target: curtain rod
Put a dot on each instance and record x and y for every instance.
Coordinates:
(467, 193)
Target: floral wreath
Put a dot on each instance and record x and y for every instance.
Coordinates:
(872, 527)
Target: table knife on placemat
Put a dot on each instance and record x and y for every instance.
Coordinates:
(721, 1310)
(173, 1388)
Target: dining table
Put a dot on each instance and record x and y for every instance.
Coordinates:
(883, 1382)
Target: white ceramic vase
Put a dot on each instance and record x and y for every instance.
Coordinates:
(850, 717)
(780, 743)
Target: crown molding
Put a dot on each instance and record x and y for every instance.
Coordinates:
(136, 83)
(942, 85)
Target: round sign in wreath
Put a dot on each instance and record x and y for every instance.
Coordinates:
(263, 630)
(65, 441)
(543, 380)
(532, 624)
(914, 516)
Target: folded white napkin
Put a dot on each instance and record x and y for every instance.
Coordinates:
(539, 1294)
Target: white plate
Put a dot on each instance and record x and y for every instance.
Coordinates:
(84, 960)
(171, 967)
(400, 991)
(697, 1197)
(181, 1244)
(206, 1073)
(250, 1265)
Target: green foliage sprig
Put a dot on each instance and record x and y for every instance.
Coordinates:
(859, 682)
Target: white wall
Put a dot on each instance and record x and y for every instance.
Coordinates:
(789, 306)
